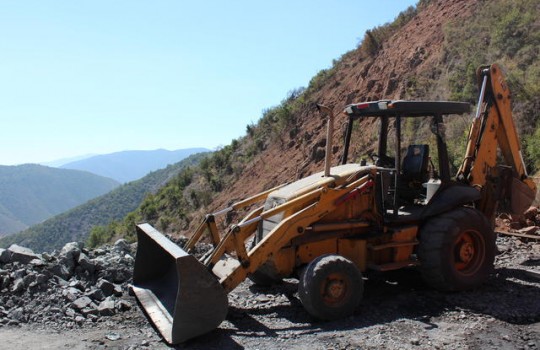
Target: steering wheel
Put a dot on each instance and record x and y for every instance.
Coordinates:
(382, 161)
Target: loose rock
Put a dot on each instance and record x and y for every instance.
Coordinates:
(62, 289)
(106, 307)
(5, 256)
(22, 254)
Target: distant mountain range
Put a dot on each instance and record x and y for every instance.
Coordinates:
(75, 224)
(128, 166)
(31, 193)
(59, 162)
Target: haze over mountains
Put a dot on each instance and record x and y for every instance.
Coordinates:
(31, 193)
(75, 224)
(128, 166)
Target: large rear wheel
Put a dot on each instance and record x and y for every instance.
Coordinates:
(330, 287)
(457, 250)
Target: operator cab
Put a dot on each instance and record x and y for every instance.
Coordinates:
(407, 177)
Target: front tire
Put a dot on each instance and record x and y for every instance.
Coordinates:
(331, 287)
(457, 250)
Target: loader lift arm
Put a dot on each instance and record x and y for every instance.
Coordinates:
(186, 297)
(493, 126)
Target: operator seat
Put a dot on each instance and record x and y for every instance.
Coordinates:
(415, 164)
(414, 172)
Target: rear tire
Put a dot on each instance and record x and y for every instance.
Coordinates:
(331, 287)
(457, 250)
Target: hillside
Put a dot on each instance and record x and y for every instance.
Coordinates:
(32, 193)
(131, 165)
(428, 52)
(75, 224)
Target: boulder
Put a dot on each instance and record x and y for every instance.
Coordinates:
(117, 273)
(18, 286)
(70, 313)
(61, 271)
(106, 307)
(37, 262)
(5, 256)
(19, 273)
(71, 250)
(117, 290)
(67, 262)
(87, 311)
(123, 305)
(86, 263)
(29, 279)
(4, 282)
(122, 246)
(106, 287)
(69, 256)
(22, 254)
(81, 303)
(96, 294)
(129, 259)
(71, 294)
(42, 278)
(78, 285)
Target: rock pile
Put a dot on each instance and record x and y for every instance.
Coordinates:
(65, 288)
(528, 223)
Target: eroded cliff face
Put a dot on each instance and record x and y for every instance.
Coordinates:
(414, 51)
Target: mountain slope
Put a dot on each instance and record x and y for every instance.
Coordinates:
(428, 52)
(131, 165)
(75, 225)
(31, 193)
(428, 55)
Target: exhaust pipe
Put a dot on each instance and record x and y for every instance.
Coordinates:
(329, 136)
(181, 297)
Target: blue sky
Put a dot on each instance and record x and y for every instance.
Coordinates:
(80, 77)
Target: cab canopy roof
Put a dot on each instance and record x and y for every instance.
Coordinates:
(388, 108)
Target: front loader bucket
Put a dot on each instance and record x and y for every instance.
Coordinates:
(179, 294)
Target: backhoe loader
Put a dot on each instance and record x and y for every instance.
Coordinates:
(401, 209)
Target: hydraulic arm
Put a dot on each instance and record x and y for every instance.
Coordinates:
(493, 126)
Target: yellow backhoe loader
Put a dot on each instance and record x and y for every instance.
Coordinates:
(400, 210)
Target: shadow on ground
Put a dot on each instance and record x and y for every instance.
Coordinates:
(509, 295)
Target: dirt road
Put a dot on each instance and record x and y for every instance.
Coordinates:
(398, 312)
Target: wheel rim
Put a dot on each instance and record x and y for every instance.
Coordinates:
(335, 289)
(469, 252)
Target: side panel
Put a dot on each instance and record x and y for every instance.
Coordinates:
(352, 249)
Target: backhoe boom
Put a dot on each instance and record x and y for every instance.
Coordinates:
(493, 128)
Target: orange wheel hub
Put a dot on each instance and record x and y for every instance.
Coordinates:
(469, 252)
(335, 289)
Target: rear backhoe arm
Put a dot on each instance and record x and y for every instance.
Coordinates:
(493, 126)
